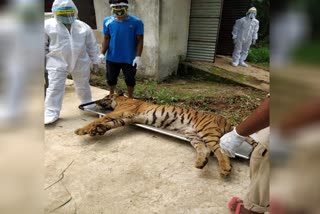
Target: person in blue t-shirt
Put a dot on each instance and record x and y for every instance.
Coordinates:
(123, 42)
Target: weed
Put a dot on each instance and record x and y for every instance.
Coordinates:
(258, 55)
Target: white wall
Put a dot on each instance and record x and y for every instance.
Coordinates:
(166, 24)
(174, 29)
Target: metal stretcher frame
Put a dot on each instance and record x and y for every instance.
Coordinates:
(244, 151)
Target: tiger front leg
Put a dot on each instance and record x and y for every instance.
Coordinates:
(102, 125)
(97, 127)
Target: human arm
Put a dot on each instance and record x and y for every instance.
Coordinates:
(139, 45)
(139, 37)
(105, 41)
(104, 48)
(305, 115)
(137, 60)
(92, 48)
(255, 32)
(46, 43)
(256, 121)
(105, 44)
(235, 30)
(46, 47)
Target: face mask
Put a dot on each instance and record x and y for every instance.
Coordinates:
(119, 11)
(65, 15)
(252, 15)
(66, 19)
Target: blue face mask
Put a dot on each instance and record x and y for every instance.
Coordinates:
(66, 19)
(252, 15)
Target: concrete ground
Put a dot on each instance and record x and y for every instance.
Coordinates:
(129, 170)
(253, 71)
(252, 76)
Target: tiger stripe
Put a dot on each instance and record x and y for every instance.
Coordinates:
(202, 129)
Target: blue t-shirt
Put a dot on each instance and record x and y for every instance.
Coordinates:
(123, 42)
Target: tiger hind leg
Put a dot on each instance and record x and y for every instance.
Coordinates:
(223, 160)
(203, 153)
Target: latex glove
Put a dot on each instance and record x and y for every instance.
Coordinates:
(230, 142)
(102, 58)
(254, 41)
(137, 61)
(95, 68)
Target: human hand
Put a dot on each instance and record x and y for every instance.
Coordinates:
(254, 41)
(102, 58)
(230, 142)
(137, 61)
(95, 68)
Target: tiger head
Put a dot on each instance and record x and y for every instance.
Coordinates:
(109, 101)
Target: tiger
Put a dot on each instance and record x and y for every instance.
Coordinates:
(203, 130)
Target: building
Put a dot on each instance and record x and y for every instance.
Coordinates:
(175, 30)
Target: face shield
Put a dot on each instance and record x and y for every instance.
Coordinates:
(252, 13)
(119, 9)
(65, 15)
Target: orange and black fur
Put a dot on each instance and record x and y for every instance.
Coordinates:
(202, 129)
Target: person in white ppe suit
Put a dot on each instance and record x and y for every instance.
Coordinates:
(245, 33)
(70, 46)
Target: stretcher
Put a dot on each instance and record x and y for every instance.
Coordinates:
(244, 151)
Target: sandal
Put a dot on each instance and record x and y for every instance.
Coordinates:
(238, 207)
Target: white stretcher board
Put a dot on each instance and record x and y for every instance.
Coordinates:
(244, 151)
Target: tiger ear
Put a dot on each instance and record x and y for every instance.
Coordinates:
(120, 93)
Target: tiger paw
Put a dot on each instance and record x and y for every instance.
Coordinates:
(98, 129)
(225, 170)
(80, 131)
(201, 161)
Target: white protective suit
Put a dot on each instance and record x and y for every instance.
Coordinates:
(245, 31)
(20, 33)
(67, 52)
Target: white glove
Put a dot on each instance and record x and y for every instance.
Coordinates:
(95, 68)
(230, 142)
(137, 61)
(102, 58)
(254, 41)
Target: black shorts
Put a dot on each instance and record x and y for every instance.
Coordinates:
(113, 71)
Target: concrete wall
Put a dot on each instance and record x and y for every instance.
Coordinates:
(166, 33)
(174, 29)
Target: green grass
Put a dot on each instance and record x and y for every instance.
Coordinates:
(259, 55)
(199, 90)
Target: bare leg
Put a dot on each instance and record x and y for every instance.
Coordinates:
(112, 89)
(130, 91)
